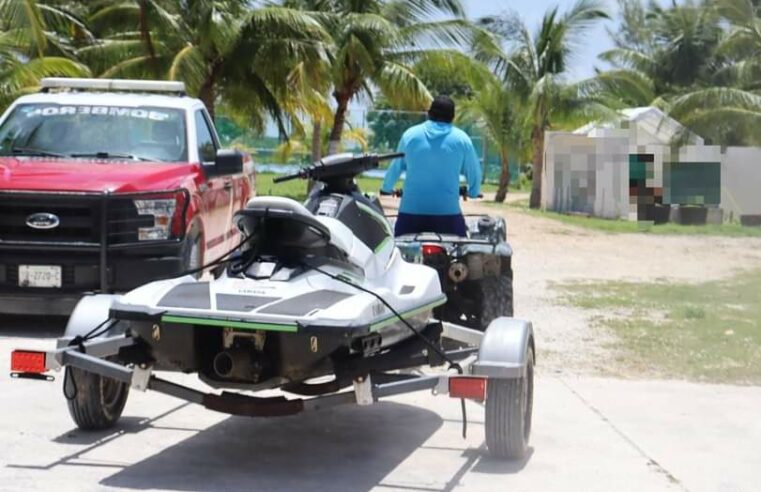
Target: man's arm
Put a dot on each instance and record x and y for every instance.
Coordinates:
(472, 169)
(395, 170)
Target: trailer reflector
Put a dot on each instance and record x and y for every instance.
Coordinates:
(28, 361)
(469, 388)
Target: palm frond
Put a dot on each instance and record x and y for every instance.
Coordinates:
(402, 87)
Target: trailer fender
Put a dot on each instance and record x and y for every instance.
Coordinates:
(504, 349)
(90, 312)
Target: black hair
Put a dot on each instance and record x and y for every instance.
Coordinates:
(442, 109)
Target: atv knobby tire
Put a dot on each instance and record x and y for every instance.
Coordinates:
(98, 402)
(509, 405)
(496, 295)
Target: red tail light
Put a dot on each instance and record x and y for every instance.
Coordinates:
(468, 388)
(26, 361)
(433, 249)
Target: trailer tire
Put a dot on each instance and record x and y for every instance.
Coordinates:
(509, 405)
(98, 402)
(496, 295)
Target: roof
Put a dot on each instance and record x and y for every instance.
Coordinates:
(124, 99)
(647, 121)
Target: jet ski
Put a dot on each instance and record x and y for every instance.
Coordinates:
(311, 286)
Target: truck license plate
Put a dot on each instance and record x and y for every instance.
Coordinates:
(48, 276)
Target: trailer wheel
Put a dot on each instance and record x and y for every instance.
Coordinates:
(496, 295)
(509, 405)
(98, 402)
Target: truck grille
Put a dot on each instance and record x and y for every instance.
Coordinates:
(80, 219)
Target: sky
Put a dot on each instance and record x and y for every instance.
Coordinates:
(531, 11)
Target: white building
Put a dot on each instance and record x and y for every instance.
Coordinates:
(606, 168)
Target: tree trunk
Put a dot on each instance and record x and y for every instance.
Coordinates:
(504, 175)
(339, 120)
(145, 35)
(316, 140)
(537, 139)
(207, 94)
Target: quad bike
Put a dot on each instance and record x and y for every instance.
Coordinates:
(317, 301)
(475, 272)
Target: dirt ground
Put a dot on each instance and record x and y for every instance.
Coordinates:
(547, 251)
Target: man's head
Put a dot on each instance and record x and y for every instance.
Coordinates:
(442, 109)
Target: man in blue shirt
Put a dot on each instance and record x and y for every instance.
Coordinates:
(436, 154)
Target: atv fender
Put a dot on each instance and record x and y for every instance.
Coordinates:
(90, 312)
(503, 353)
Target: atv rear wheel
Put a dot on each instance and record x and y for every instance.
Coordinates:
(496, 295)
(509, 405)
(98, 402)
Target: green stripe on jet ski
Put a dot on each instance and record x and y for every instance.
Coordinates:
(382, 244)
(243, 325)
(407, 314)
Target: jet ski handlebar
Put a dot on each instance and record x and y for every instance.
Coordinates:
(339, 166)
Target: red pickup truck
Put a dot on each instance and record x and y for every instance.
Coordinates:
(106, 185)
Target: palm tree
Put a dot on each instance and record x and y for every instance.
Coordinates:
(683, 61)
(375, 43)
(32, 47)
(497, 109)
(742, 43)
(536, 66)
(132, 25)
(225, 50)
(673, 50)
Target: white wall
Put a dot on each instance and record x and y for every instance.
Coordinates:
(591, 175)
(741, 182)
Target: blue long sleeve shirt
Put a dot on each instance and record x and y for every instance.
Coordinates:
(436, 154)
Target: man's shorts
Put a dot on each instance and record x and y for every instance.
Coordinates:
(441, 224)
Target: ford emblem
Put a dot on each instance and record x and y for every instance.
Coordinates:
(43, 220)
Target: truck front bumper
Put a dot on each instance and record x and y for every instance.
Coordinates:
(125, 270)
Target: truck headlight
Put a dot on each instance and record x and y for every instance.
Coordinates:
(162, 212)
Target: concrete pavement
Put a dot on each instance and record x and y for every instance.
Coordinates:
(589, 434)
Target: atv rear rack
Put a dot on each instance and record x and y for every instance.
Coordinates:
(92, 356)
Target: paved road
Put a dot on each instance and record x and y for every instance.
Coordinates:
(589, 434)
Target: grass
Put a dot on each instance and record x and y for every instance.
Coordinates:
(617, 226)
(702, 332)
(296, 189)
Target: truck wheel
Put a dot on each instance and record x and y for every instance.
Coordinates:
(98, 402)
(509, 405)
(496, 298)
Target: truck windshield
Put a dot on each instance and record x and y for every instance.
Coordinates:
(142, 133)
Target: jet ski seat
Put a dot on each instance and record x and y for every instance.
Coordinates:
(284, 227)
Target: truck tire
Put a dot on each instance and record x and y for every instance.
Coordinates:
(509, 404)
(496, 294)
(98, 402)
